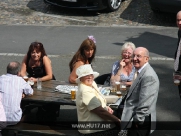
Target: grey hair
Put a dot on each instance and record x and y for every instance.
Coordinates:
(146, 52)
(128, 45)
(13, 68)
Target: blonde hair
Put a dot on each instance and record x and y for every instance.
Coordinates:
(127, 45)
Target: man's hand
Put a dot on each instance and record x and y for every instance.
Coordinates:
(177, 77)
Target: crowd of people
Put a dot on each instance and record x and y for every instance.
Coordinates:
(133, 68)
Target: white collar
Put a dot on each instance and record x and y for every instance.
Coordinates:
(139, 70)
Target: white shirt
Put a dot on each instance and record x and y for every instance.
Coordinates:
(11, 88)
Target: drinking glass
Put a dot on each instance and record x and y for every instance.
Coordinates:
(175, 78)
(31, 83)
(113, 86)
(39, 84)
(123, 87)
(73, 94)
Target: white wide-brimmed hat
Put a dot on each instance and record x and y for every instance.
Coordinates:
(85, 70)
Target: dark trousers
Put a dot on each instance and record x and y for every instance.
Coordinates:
(140, 130)
(179, 89)
(179, 69)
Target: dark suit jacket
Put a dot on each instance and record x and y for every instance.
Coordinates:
(179, 36)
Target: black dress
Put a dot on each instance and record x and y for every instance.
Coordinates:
(45, 111)
(37, 71)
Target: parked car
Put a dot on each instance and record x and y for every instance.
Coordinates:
(111, 5)
(172, 6)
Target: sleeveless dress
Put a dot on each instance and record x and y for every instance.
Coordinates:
(115, 69)
(38, 71)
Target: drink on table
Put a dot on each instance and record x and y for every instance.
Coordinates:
(39, 84)
(25, 78)
(73, 94)
(117, 86)
(118, 93)
(123, 87)
(31, 83)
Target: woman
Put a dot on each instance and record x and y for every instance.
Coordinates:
(124, 70)
(91, 105)
(84, 55)
(36, 63)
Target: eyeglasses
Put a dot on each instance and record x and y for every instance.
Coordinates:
(138, 56)
(125, 52)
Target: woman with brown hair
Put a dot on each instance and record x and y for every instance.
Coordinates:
(36, 63)
(84, 55)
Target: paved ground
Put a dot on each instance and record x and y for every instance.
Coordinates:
(35, 12)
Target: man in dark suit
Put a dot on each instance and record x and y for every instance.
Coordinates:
(178, 21)
(139, 113)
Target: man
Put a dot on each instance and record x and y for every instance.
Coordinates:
(12, 86)
(139, 113)
(177, 65)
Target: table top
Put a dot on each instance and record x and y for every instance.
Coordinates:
(47, 94)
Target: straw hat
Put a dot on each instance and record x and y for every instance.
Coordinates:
(85, 70)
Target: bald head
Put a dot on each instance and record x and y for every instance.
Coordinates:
(140, 57)
(144, 50)
(13, 68)
(178, 19)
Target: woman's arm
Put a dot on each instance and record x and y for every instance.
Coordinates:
(23, 66)
(48, 69)
(117, 76)
(73, 75)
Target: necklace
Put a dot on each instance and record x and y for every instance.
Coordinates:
(127, 69)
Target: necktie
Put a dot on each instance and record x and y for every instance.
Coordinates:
(135, 75)
(176, 63)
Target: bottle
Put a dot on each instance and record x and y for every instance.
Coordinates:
(39, 83)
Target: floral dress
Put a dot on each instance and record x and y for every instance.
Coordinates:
(123, 77)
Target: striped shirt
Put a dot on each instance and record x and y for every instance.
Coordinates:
(11, 88)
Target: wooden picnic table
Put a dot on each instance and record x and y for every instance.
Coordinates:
(47, 100)
(47, 94)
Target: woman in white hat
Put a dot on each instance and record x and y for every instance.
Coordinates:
(91, 104)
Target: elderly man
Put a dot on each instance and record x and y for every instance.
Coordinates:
(12, 86)
(139, 113)
(177, 63)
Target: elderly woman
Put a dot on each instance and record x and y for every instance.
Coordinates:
(123, 70)
(36, 63)
(91, 104)
(84, 55)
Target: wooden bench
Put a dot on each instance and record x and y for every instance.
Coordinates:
(26, 129)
